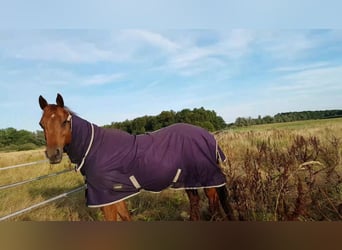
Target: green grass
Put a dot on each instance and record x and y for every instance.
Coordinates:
(275, 172)
(297, 125)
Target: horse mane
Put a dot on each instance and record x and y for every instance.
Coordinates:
(70, 111)
(54, 106)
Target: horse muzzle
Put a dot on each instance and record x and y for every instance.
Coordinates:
(54, 155)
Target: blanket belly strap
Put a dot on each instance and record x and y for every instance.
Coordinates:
(175, 179)
(135, 182)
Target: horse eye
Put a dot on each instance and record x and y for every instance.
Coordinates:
(64, 123)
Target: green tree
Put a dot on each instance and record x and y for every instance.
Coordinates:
(198, 116)
(138, 125)
(166, 118)
(241, 122)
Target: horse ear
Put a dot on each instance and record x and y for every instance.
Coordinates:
(42, 102)
(59, 101)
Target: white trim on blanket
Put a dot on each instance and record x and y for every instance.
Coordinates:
(184, 188)
(88, 149)
(111, 203)
(129, 196)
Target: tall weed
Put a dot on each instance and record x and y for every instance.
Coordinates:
(279, 175)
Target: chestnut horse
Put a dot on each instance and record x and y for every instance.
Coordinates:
(117, 165)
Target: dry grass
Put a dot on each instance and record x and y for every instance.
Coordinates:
(289, 171)
(279, 172)
(18, 157)
(16, 198)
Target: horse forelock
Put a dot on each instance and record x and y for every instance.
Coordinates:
(70, 111)
(53, 108)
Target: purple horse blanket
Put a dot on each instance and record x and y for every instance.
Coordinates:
(119, 165)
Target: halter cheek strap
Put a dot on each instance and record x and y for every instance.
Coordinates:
(69, 120)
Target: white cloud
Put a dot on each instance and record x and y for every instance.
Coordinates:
(228, 49)
(50, 77)
(87, 47)
(152, 38)
(287, 45)
(65, 52)
(310, 89)
(238, 43)
(173, 50)
(64, 47)
(182, 60)
(300, 67)
(311, 80)
(100, 79)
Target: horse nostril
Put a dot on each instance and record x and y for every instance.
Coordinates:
(58, 151)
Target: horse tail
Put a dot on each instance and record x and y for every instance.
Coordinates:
(224, 199)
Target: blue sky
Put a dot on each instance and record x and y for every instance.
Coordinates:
(111, 74)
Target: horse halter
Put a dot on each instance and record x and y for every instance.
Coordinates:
(69, 120)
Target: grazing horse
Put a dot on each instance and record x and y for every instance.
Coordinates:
(118, 165)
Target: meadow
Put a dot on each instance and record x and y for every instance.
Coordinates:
(286, 171)
(275, 172)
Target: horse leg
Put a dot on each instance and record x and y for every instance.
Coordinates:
(123, 211)
(224, 199)
(214, 205)
(110, 212)
(194, 204)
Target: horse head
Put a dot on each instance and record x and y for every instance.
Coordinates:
(56, 123)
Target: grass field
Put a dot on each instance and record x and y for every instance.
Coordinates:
(285, 171)
(275, 172)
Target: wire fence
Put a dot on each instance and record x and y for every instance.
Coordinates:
(40, 204)
(24, 165)
(34, 179)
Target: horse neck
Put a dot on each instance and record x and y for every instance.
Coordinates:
(80, 139)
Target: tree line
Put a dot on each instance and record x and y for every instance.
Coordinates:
(207, 119)
(12, 139)
(286, 117)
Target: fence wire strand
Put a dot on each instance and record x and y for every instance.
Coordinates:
(23, 165)
(34, 179)
(27, 209)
